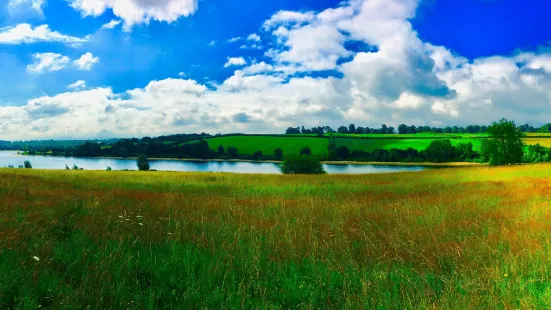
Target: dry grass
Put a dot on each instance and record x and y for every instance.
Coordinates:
(449, 238)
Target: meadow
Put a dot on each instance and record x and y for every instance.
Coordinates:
(292, 144)
(462, 238)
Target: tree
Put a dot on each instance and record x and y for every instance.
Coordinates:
(439, 151)
(221, 150)
(27, 164)
(342, 129)
(352, 128)
(403, 129)
(343, 152)
(233, 151)
(508, 143)
(306, 151)
(200, 149)
(301, 165)
(142, 162)
(108, 168)
(257, 155)
(278, 152)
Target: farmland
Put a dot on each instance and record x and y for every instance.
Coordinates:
(368, 142)
(467, 238)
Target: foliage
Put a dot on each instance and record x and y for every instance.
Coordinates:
(305, 151)
(27, 164)
(256, 155)
(508, 148)
(108, 168)
(233, 151)
(278, 152)
(142, 163)
(221, 150)
(343, 152)
(301, 165)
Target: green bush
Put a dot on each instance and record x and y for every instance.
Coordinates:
(301, 165)
(143, 162)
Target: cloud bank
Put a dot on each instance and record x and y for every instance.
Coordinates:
(310, 76)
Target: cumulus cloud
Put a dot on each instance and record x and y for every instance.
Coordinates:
(86, 62)
(34, 5)
(235, 61)
(400, 80)
(112, 24)
(233, 40)
(25, 34)
(43, 62)
(80, 84)
(253, 37)
(134, 12)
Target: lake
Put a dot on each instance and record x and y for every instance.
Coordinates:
(51, 162)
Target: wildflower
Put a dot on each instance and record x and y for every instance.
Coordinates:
(140, 224)
(506, 275)
(36, 258)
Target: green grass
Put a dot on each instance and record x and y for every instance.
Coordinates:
(291, 144)
(402, 144)
(462, 238)
(266, 144)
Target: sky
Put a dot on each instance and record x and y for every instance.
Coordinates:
(84, 69)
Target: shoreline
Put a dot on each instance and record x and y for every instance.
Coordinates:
(358, 163)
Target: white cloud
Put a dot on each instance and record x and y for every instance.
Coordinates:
(233, 40)
(400, 80)
(134, 12)
(212, 43)
(112, 24)
(235, 61)
(80, 84)
(25, 33)
(288, 17)
(86, 61)
(34, 5)
(43, 62)
(253, 37)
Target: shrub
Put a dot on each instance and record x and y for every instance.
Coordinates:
(343, 152)
(233, 151)
(301, 165)
(27, 164)
(142, 162)
(306, 151)
(257, 155)
(278, 152)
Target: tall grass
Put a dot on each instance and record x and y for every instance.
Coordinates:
(452, 238)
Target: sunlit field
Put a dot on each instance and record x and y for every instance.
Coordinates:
(463, 238)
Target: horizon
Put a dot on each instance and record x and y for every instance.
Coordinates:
(112, 69)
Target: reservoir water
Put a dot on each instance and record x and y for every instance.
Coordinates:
(51, 162)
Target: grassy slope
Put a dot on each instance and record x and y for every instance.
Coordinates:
(247, 145)
(189, 240)
(289, 145)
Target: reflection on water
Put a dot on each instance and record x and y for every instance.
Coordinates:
(49, 162)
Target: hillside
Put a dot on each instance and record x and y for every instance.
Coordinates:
(291, 144)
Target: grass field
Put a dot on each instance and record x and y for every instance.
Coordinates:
(267, 144)
(462, 238)
(247, 145)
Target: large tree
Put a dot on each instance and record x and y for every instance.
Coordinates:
(508, 143)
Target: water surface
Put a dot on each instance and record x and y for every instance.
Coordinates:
(53, 162)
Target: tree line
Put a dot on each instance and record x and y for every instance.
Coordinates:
(405, 129)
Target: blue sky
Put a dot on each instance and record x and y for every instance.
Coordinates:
(98, 68)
